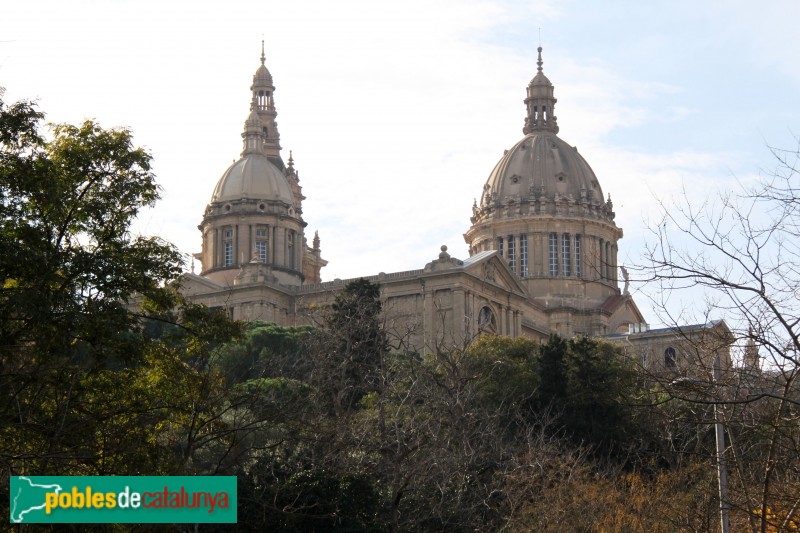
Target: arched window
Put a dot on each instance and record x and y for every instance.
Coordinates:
(486, 321)
(261, 244)
(290, 249)
(227, 247)
(670, 358)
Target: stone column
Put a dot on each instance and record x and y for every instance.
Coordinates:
(427, 320)
(237, 258)
(280, 247)
(251, 241)
(459, 312)
(217, 249)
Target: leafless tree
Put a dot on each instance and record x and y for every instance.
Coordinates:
(740, 249)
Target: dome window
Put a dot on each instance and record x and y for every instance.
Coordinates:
(227, 208)
(262, 206)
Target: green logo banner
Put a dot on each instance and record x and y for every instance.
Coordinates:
(123, 499)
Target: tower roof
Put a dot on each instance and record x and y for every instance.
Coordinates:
(262, 78)
(259, 173)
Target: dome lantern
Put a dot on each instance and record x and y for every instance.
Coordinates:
(540, 103)
(263, 104)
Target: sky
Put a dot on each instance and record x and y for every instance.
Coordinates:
(396, 112)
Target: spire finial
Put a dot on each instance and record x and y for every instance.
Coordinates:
(263, 57)
(540, 62)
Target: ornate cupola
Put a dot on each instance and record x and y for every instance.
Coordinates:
(263, 104)
(541, 103)
(255, 214)
(542, 208)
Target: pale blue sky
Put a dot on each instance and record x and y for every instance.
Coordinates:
(397, 111)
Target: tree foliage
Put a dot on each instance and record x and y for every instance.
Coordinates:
(103, 367)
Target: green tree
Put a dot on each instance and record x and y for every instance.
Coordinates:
(84, 387)
(591, 387)
(352, 347)
(266, 350)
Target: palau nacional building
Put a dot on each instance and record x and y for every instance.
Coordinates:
(542, 249)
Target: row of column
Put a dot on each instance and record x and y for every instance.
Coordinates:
(284, 245)
(558, 255)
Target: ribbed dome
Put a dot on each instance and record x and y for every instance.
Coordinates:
(543, 163)
(254, 177)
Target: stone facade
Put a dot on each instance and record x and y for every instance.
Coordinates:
(542, 245)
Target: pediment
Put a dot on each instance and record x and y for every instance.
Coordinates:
(489, 267)
(192, 284)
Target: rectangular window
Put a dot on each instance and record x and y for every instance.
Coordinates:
(228, 233)
(228, 253)
(566, 263)
(500, 246)
(261, 232)
(553, 255)
(512, 254)
(578, 256)
(523, 255)
(261, 248)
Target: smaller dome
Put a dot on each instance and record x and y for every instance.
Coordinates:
(253, 176)
(540, 79)
(262, 77)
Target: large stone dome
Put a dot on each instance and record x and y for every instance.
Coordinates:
(253, 177)
(543, 164)
(543, 211)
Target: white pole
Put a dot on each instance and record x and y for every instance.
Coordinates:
(722, 471)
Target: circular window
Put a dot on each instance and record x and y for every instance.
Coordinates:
(227, 208)
(262, 206)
